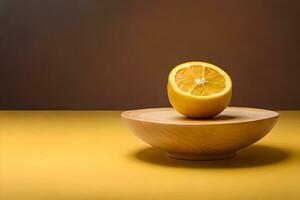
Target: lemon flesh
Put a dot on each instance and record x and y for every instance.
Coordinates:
(199, 89)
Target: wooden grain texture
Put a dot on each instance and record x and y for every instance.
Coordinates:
(184, 138)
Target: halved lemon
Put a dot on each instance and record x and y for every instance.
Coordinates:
(199, 89)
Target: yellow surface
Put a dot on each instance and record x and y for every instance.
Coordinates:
(199, 89)
(91, 155)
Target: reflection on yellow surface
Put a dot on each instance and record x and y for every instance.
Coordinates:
(91, 155)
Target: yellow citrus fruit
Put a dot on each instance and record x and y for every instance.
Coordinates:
(199, 89)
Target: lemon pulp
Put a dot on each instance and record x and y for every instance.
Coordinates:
(200, 80)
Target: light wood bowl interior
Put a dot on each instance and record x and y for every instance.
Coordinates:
(200, 139)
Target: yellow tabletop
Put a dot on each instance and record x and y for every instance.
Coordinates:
(91, 155)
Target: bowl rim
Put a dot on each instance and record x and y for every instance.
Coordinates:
(128, 116)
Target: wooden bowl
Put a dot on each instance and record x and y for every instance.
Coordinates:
(200, 139)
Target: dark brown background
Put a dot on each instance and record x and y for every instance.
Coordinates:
(117, 54)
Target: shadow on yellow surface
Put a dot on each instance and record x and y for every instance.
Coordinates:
(253, 156)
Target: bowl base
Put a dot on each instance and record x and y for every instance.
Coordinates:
(200, 156)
